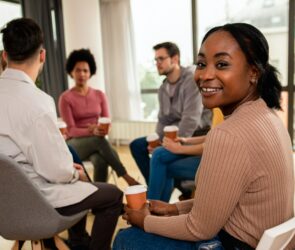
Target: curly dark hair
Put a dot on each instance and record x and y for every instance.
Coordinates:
(81, 55)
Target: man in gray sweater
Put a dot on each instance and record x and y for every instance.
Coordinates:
(180, 103)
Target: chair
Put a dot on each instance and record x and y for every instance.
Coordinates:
(217, 117)
(25, 213)
(278, 237)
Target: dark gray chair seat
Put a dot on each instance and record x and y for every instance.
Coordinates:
(24, 213)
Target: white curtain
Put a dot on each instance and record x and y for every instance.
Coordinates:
(122, 87)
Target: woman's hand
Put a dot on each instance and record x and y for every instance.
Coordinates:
(98, 131)
(136, 217)
(162, 208)
(91, 127)
(173, 146)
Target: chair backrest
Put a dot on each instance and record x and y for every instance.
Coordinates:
(217, 117)
(24, 213)
(278, 237)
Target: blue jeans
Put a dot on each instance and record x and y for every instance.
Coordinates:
(140, 153)
(136, 239)
(165, 167)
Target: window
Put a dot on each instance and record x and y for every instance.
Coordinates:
(9, 10)
(157, 21)
(272, 20)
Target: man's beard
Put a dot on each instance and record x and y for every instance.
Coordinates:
(166, 72)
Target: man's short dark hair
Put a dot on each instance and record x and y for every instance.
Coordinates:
(81, 55)
(22, 38)
(171, 48)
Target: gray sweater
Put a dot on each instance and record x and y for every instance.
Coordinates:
(185, 108)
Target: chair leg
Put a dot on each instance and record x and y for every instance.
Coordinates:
(60, 244)
(37, 245)
(16, 245)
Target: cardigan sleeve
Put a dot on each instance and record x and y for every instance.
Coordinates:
(220, 182)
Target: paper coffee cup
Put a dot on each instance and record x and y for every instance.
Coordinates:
(104, 123)
(171, 132)
(136, 196)
(62, 126)
(153, 140)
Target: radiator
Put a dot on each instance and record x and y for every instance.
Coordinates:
(123, 132)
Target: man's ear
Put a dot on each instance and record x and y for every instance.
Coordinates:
(42, 55)
(175, 59)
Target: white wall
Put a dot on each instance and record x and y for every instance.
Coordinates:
(83, 30)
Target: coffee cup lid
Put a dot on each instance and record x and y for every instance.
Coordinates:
(61, 124)
(152, 137)
(170, 128)
(135, 189)
(104, 120)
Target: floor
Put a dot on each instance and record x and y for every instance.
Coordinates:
(132, 170)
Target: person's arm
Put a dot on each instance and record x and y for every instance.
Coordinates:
(160, 126)
(178, 148)
(66, 113)
(193, 140)
(105, 112)
(48, 152)
(97, 130)
(222, 177)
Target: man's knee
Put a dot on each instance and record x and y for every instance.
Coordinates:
(138, 144)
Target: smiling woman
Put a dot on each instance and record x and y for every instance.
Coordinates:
(223, 75)
(245, 180)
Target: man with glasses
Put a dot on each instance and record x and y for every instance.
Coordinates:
(180, 103)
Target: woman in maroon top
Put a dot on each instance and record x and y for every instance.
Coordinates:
(81, 107)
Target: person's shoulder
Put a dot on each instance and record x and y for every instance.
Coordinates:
(188, 75)
(97, 92)
(248, 120)
(45, 103)
(189, 69)
(67, 94)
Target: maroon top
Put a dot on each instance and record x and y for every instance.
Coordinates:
(79, 111)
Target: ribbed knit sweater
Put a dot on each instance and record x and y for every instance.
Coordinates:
(244, 184)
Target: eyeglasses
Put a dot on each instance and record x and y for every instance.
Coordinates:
(160, 59)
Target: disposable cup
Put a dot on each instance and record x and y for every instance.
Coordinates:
(62, 126)
(171, 132)
(104, 123)
(153, 140)
(136, 196)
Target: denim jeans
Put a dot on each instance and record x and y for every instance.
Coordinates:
(165, 167)
(136, 239)
(138, 148)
